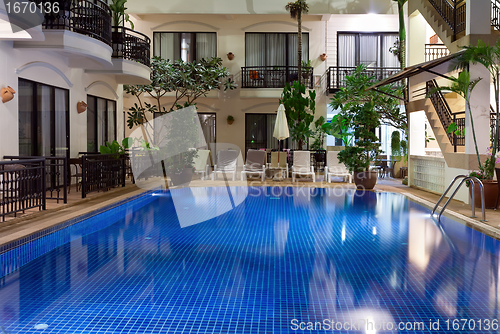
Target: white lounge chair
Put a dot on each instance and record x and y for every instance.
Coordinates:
(227, 161)
(200, 163)
(335, 168)
(282, 165)
(302, 165)
(255, 164)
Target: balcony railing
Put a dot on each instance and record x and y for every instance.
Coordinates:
(130, 44)
(273, 76)
(452, 12)
(336, 75)
(87, 17)
(435, 51)
(495, 14)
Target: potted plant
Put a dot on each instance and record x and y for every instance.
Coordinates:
(119, 17)
(306, 69)
(299, 108)
(364, 119)
(230, 119)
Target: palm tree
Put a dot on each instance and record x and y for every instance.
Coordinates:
(489, 57)
(463, 86)
(296, 10)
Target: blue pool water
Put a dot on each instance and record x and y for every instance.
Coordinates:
(285, 259)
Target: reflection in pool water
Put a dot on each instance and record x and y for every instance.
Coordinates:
(297, 253)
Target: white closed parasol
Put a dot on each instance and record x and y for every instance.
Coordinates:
(281, 127)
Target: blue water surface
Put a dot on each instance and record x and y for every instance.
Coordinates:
(286, 260)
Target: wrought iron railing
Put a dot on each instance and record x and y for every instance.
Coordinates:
(100, 172)
(56, 176)
(22, 186)
(495, 14)
(273, 76)
(435, 51)
(453, 13)
(445, 115)
(493, 118)
(87, 17)
(130, 44)
(336, 75)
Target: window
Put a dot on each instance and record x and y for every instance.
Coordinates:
(274, 49)
(43, 120)
(101, 122)
(259, 130)
(188, 46)
(371, 49)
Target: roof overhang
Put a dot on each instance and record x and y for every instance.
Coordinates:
(417, 69)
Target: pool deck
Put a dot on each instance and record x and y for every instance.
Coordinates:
(35, 221)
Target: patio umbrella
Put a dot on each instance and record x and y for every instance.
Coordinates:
(281, 128)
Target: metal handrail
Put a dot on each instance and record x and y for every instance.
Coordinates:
(465, 178)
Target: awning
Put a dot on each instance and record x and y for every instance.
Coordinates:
(416, 69)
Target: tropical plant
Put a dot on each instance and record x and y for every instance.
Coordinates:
(489, 57)
(115, 148)
(189, 81)
(427, 137)
(319, 134)
(404, 150)
(299, 109)
(339, 128)
(355, 93)
(395, 144)
(296, 10)
(119, 16)
(463, 86)
(364, 121)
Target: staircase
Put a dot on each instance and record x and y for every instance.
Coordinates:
(448, 18)
(439, 114)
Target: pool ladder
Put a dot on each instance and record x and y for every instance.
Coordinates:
(465, 179)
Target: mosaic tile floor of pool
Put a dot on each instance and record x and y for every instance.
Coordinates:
(285, 260)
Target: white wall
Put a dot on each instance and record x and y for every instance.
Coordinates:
(231, 38)
(51, 68)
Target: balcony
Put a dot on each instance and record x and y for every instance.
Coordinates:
(81, 29)
(273, 76)
(131, 45)
(336, 75)
(435, 51)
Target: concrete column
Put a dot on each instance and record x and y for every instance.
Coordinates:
(417, 133)
(480, 107)
(478, 17)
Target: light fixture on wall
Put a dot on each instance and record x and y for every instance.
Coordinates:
(81, 107)
(230, 56)
(323, 56)
(7, 94)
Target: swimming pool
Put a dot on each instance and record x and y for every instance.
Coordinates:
(285, 260)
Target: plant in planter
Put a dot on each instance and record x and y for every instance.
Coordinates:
(319, 135)
(364, 119)
(339, 128)
(299, 108)
(230, 119)
(306, 69)
(119, 18)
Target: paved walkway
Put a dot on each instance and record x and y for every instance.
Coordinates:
(32, 222)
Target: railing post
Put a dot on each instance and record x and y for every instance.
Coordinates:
(123, 170)
(65, 178)
(84, 176)
(43, 184)
(454, 134)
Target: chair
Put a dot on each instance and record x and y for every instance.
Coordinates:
(302, 165)
(75, 171)
(335, 168)
(255, 164)
(282, 165)
(200, 163)
(226, 163)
